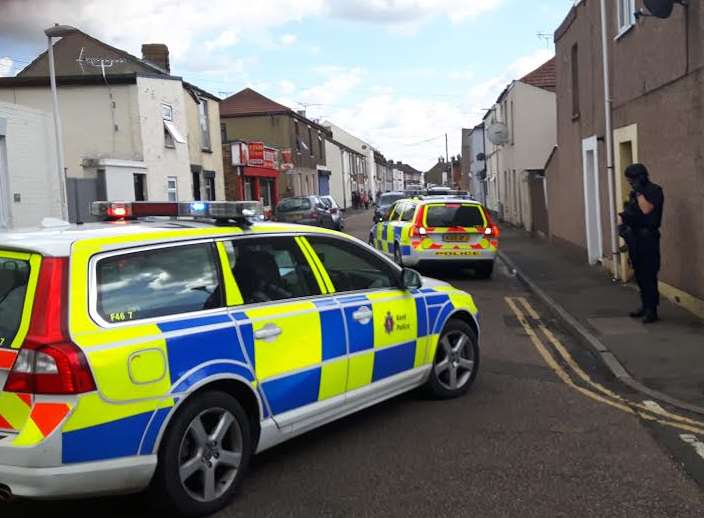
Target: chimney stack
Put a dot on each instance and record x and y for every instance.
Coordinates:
(157, 54)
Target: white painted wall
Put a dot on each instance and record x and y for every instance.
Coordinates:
(161, 161)
(476, 146)
(29, 162)
(333, 158)
(212, 160)
(92, 127)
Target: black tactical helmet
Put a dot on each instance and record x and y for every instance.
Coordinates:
(635, 171)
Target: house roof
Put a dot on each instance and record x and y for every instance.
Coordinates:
(250, 102)
(544, 76)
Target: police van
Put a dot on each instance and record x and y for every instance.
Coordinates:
(164, 347)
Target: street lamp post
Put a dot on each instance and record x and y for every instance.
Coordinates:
(58, 31)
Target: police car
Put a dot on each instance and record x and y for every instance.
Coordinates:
(433, 230)
(162, 352)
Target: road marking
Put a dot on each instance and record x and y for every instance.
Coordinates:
(644, 410)
(696, 443)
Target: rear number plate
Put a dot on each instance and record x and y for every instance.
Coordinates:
(455, 238)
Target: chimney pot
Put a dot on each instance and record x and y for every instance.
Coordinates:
(157, 54)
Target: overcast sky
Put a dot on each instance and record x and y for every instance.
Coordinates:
(397, 73)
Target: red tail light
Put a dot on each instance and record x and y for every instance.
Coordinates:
(492, 230)
(418, 229)
(48, 363)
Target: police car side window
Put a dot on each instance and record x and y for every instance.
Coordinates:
(158, 282)
(408, 210)
(270, 269)
(351, 267)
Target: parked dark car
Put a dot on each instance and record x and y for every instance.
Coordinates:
(305, 210)
(384, 202)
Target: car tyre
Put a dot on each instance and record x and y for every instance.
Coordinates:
(204, 455)
(485, 270)
(456, 361)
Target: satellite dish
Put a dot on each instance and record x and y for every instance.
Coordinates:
(660, 8)
(498, 134)
(481, 157)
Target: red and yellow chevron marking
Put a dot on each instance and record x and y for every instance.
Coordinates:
(43, 420)
(7, 358)
(14, 410)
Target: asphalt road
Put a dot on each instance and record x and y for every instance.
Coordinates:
(524, 442)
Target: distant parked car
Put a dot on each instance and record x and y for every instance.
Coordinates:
(385, 202)
(305, 210)
(338, 217)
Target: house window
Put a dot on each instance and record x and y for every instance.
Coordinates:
(172, 135)
(321, 145)
(310, 141)
(298, 136)
(209, 181)
(204, 125)
(167, 112)
(168, 139)
(140, 186)
(171, 188)
(626, 14)
(196, 185)
(575, 80)
(223, 133)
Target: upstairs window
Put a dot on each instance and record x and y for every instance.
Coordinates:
(626, 14)
(575, 80)
(204, 125)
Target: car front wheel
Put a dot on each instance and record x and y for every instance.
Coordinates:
(204, 455)
(456, 361)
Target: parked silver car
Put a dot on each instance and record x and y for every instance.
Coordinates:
(337, 214)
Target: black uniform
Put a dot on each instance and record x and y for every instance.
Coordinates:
(644, 243)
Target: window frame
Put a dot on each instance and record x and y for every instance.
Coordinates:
(624, 21)
(97, 318)
(303, 254)
(206, 143)
(393, 267)
(173, 190)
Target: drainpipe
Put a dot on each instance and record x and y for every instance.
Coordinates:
(615, 257)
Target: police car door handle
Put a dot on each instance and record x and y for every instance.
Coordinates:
(363, 315)
(268, 332)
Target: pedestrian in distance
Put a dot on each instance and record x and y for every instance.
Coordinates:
(640, 229)
(365, 200)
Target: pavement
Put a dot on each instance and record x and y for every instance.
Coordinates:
(525, 441)
(663, 360)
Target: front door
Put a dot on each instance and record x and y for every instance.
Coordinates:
(289, 326)
(381, 320)
(592, 204)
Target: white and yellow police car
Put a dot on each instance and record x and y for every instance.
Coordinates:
(426, 231)
(162, 352)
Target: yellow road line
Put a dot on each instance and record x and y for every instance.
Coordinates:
(643, 411)
(562, 350)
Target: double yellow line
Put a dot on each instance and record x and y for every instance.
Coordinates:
(586, 386)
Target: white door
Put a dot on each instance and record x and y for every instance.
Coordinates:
(592, 205)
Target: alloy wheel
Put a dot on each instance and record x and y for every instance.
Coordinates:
(455, 361)
(210, 454)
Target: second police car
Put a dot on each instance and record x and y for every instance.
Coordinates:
(433, 230)
(163, 354)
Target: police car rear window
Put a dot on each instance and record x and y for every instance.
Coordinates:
(454, 215)
(158, 282)
(14, 277)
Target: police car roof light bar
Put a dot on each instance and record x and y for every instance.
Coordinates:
(221, 211)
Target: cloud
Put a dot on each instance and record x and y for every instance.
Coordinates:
(6, 67)
(409, 11)
(129, 23)
(338, 84)
(288, 39)
(226, 39)
(287, 87)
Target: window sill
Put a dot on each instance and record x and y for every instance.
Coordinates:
(206, 150)
(169, 147)
(624, 30)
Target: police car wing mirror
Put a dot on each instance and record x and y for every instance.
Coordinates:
(411, 279)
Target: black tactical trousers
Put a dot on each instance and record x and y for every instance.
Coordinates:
(646, 263)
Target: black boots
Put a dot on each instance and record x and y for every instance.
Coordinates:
(648, 316)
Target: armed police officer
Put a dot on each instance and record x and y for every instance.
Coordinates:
(640, 230)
